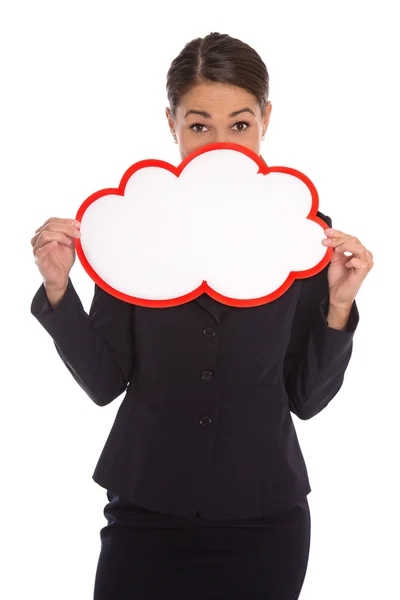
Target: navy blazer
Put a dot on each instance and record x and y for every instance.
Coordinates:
(205, 425)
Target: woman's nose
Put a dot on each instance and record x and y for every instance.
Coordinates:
(221, 137)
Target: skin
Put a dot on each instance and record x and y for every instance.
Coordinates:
(217, 102)
(54, 251)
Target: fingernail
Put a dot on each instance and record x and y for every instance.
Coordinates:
(328, 230)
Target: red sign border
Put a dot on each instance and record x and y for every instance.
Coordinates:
(204, 287)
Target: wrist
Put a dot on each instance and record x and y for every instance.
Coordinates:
(55, 295)
(338, 316)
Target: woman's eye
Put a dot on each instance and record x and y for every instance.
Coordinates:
(242, 126)
(197, 127)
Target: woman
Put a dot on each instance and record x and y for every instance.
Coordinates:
(206, 482)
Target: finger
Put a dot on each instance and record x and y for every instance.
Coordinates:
(358, 264)
(349, 244)
(332, 242)
(335, 233)
(354, 246)
(52, 219)
(71, 230)
(57, 220)
(45, 250)
(46, 237)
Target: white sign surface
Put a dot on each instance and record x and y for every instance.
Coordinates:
(222, 222)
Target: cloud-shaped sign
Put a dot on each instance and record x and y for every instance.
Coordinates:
(222, 222)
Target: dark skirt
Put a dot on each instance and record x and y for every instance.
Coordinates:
(148, 556)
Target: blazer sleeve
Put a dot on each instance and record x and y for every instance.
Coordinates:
(317, 355)
(97, 348)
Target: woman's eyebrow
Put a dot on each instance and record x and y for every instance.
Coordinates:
(237, 112)
(207, 115)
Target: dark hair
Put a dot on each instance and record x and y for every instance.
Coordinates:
(220, 58)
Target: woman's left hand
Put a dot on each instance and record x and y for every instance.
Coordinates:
(346, 273)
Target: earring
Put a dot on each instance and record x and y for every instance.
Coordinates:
(263, 137)
(175, 139)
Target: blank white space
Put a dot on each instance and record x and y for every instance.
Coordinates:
(83, 97)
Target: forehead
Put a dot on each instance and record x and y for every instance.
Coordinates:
(218, 99)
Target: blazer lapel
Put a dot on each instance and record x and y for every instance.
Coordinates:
(213, 307)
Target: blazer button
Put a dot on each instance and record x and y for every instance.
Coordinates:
(205, 421)
(207, 375)
(209, 332)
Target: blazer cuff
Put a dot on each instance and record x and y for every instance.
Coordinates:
(56, 319)
(352, 322)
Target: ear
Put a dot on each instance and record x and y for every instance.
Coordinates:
(267, 115)
(170, 119)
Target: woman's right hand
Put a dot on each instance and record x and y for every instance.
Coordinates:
(54, 250)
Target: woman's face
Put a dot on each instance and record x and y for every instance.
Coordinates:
(217, 112)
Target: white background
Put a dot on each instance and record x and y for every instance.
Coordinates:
(83, 98)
